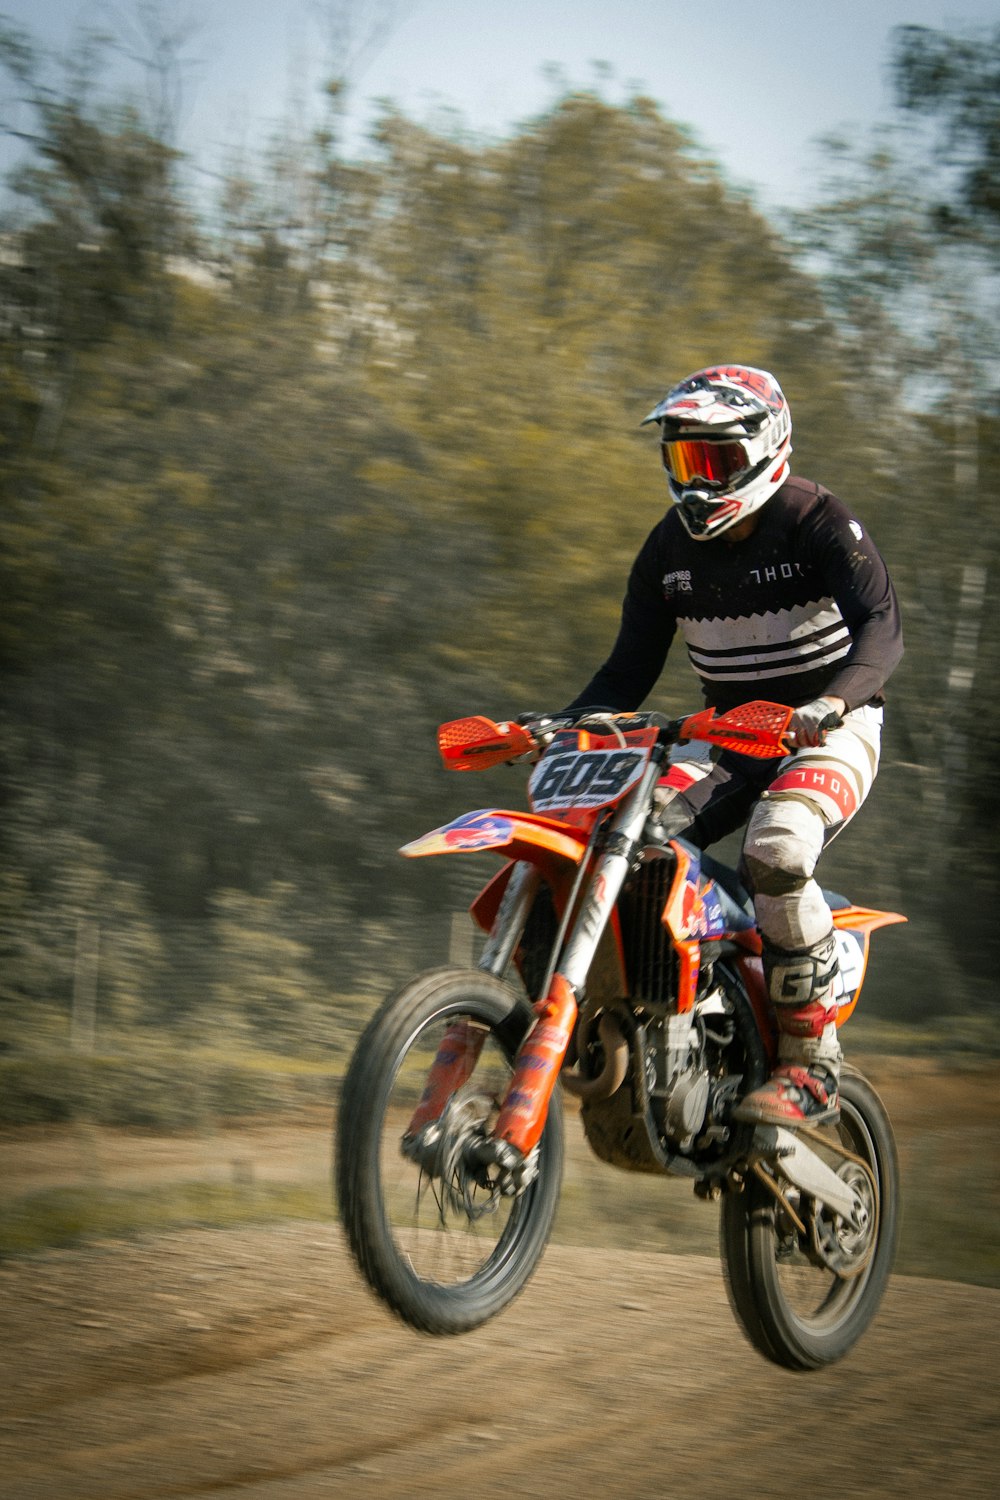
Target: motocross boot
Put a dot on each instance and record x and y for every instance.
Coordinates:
(803, 1088)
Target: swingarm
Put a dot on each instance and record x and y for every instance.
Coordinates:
(789, 1157)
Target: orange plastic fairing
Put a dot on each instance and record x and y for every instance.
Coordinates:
(860, 922)
(676, 917)
(525, 1106)
(864, 918)
(756, 729)
(475, 743)
(518, 835)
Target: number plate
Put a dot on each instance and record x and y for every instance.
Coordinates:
(571, 776)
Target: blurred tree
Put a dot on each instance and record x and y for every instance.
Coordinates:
(262, 990)
(913, 291)
(358, 454)
(156, 37)
(541, 287)
(101, 219)
(955, 81)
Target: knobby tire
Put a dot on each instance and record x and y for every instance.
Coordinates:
(795, 1313)
(443, 1273)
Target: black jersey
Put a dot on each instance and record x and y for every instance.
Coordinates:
(801, 608)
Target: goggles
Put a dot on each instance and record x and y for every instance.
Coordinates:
(717, 462)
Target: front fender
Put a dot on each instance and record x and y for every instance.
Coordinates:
(513, 835)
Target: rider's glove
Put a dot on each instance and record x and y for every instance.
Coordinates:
(811, 723)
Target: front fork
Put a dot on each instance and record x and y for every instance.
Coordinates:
(526, 1103)
(462, 1043)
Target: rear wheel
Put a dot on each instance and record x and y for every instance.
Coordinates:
(437, 1239)
(806, 1291)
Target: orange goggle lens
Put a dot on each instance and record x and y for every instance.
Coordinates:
(716, 463)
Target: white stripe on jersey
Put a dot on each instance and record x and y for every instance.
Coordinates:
(776, 643)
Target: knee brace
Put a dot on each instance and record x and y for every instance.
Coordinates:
(783, 844)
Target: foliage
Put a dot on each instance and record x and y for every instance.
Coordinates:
(65, 1216)
(915, 289)
(159, 1088)
(955, 80)
(289, 478)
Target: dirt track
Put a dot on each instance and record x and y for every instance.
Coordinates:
(254, 1363)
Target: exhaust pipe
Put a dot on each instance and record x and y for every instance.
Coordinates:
(615, 1070)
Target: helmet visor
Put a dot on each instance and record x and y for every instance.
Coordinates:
(686, 459)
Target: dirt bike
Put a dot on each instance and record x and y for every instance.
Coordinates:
(624, 967)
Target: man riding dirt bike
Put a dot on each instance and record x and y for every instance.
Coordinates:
(778, 592)
(696, 1023)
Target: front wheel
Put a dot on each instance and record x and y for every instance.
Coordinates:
(804, 1299)
(438, 1241)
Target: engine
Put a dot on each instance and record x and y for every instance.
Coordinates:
(687, 1086)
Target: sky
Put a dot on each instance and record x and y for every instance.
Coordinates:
(757, 84)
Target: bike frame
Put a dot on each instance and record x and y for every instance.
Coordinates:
(560, 852)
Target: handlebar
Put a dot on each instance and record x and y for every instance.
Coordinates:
(758, 729)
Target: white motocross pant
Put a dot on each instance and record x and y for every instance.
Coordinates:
(792, 810)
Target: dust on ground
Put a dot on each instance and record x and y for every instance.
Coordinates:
(255, 1363)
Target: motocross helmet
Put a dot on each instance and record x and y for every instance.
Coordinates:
(725, 437)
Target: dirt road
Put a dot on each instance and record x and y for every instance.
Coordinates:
(253, 1363)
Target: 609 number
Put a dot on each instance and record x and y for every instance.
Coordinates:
(586, 778)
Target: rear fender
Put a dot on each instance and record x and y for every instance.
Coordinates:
(853, 927)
